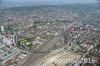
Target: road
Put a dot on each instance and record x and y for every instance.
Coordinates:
(49, 60)
(55, 53)
(85, 54)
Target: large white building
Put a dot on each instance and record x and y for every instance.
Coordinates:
(2, 29)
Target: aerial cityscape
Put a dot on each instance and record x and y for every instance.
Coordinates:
(57, 34)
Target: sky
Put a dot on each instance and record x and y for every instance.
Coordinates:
(44, 2)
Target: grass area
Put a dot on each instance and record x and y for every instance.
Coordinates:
(25, 42)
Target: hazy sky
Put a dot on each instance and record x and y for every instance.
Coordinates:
(44, 2)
